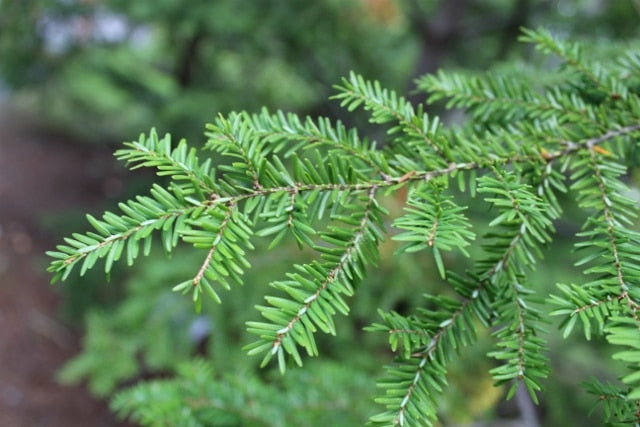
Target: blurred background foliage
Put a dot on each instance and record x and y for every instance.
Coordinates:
(109, 69)
(102, 71)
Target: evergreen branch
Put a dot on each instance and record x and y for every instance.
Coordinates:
(162, 211)
(624, 252)
(197, 395)
(417, 176)
(570, 52)
(519, 344)
(610, 224)
(433, 221)
(592, 143)
(281, 129)
(386, 106)
(416, 379)
(214, 247)
(234, 137)
(316, 292)
(522, 217)
(591, 306)
(525, 226)
(282, 174)
(417, 403)
(180, 163)
(595, 180)
(223, 233)
(611, 300)
(414, 333)
(624, 330)
(493, 98)
(118, 232)
(617, 407)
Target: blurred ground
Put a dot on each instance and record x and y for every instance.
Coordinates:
(40, 175)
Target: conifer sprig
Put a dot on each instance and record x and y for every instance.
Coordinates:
(410, 126)
(316, 291)
(278, 175)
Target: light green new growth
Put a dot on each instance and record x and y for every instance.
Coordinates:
(276, 174)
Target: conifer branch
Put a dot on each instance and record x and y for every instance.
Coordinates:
(216, 240)
(277, 174)
(283, 129)
(180, 162)
(570, 52)
(317, 286)
(386, 106)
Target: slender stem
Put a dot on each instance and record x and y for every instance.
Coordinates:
(214, 246)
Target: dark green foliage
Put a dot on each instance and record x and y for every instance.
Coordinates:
(148, 332)
(434, 221)
(322, 185)
(200, 396)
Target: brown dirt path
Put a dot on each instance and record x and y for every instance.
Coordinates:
(39, 175)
